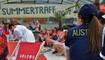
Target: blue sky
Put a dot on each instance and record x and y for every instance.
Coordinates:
(101, 0)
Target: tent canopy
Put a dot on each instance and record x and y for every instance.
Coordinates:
(46, 1)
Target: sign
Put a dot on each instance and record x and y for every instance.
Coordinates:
(33, 11)
(28, 51)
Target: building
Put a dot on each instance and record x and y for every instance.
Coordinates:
(41, 10)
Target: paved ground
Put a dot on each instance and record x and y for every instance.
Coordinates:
(51, 56)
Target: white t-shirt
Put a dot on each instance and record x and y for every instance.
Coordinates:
(102, 53)
(24, 34)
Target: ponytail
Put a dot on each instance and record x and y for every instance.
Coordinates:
(95, 36)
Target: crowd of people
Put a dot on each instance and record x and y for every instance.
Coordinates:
(10, 32)
(83, 42)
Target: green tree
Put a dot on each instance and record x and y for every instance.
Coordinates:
(59, 16)
(103, 2)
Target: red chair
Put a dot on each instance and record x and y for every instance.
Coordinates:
(28, 49)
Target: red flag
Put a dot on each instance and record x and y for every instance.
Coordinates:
(28, 51)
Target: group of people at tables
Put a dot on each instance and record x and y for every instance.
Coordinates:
(83, 42)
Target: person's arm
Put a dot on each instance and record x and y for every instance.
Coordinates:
(67, 54)
(67, 45)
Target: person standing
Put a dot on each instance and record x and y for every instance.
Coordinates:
(81, 41)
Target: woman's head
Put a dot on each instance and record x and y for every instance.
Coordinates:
(55, 29)
(51, 31)
(86, 14)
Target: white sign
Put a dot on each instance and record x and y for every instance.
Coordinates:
(32, 11)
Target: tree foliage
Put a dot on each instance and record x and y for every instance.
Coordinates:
(59, 15)
(103, 2)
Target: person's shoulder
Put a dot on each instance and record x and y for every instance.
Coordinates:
(73, 28)
(17, 28)
(20, 26)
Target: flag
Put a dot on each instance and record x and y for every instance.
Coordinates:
(76, 12)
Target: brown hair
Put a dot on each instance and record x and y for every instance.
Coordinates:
(95, 36)
(95, 33)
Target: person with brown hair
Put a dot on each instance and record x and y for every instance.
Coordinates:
(83, 42)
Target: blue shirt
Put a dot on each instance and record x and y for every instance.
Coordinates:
(77, 43)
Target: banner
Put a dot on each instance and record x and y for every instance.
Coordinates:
(28, 51)
(33, 10)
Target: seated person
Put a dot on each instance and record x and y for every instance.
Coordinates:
(58, 46)
(41, 35)
(52, 35)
